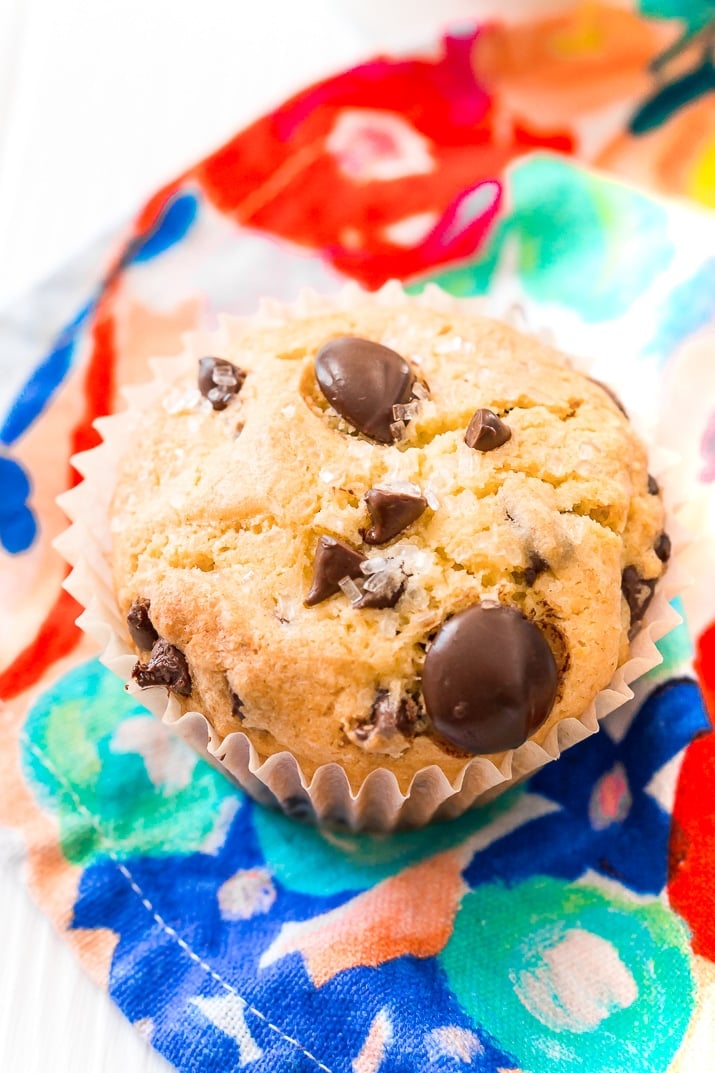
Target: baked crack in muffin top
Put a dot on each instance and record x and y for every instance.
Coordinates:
(385, 537)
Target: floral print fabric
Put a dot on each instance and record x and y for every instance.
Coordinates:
(569, 924)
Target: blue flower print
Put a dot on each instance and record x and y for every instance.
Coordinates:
(18, 527)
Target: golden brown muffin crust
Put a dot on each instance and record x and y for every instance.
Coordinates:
(217, 514)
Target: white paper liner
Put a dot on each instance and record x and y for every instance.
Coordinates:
(379, 804)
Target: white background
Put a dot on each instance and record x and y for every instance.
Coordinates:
(101, 101)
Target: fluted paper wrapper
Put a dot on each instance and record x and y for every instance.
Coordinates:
(378, 804)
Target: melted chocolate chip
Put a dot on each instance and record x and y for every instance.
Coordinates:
(219, 381)
(489, 679)
(363, 380)
(167, 666)
(653, 488)
(536, 566)
(236, 706)
(486, 431)
(409, 714)
(140, 626)
(334, 560)
(611, 394)
(662, 547)
(638, 592)
(385, 596)
(388, 715)
(391, 512)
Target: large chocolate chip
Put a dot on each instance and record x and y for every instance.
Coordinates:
(486, 431)
(662, 547)
(611, 394)
(489, 679)
(334, 560)
(219, 381)
(167, 666)
(140, 626)
(653, 488)
(391, 512)
(363, 380)
(638, 592)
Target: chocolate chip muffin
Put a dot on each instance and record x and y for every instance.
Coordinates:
(385, 537)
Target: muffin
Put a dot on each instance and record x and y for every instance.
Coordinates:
(385, 537)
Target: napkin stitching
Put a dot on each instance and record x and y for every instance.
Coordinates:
(170, 931)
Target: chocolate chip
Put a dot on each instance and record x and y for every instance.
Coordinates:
(391, 512)
(219, 381)
(388, 715)
(662, 547)
(638, 592)
(236, 706)
(611, 394)
(653, 488)
(486, 431)
(386, 595)
(167, 666)
(489, 679)
(409, 714)
(363, 380)
(334, 560)
(140, 626)
(536, 566)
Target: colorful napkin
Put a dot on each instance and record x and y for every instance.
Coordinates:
(571, 923)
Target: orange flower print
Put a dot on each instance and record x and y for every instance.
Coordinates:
(677, 157)
(551, 72)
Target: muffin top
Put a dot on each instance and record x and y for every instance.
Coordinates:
(384, 537)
